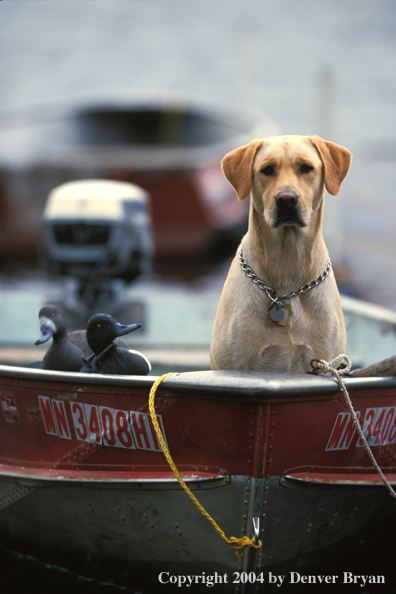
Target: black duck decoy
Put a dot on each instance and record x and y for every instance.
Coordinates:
(66, 350)
(108, 357)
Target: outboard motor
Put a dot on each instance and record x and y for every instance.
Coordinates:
(98, 233)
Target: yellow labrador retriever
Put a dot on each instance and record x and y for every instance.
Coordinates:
(280, 306)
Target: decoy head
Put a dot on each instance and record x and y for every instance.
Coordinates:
(102, 329)
(51, 323)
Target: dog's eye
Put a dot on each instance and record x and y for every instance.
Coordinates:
(305, 168)
(269, 170)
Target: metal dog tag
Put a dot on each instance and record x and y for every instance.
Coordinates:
(281, 311)
(277, 312)
(285, 318)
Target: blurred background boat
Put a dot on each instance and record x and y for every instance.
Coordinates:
(170, 146)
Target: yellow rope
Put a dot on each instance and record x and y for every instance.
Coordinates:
(236, 543)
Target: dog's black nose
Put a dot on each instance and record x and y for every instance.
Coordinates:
(286, 199)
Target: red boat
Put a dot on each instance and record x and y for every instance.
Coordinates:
(170, 146)
(82, 471)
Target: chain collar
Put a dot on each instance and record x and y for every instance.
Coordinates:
(270, 292)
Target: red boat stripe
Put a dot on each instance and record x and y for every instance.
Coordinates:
(79, 421)
(48, 417)
(141, 430)
(59, 409)
(93, 422)
(123, 431)
(343, 432)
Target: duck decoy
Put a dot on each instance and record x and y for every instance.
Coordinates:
(108, 358)
(66, 349)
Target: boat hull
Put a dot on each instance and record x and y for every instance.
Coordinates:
(273, 446)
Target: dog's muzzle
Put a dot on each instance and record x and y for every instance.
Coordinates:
(287, 209)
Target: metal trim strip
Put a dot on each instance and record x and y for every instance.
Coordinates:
(219, 383)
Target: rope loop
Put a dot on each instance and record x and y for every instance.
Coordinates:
(239, 544)
(331, 367)
(319, 366)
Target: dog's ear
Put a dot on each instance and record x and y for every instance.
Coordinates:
(238, 167)
(336, 161)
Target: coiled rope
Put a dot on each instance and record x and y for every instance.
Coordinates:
(320, 366)
(239, 544)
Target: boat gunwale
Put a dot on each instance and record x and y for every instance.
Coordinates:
(225, 383)
(31, 476)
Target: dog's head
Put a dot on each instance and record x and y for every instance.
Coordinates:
(287, 176)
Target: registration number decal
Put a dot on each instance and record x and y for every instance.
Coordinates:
(100, 425)
(379, 429)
